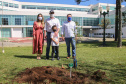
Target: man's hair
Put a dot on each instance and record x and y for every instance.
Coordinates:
(69, 14)
(53, 26)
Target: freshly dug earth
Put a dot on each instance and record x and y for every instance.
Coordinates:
(49, 74)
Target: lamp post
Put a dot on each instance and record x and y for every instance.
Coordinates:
(104, 14)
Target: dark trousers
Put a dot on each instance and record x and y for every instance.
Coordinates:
(48, 44)
(55, 49)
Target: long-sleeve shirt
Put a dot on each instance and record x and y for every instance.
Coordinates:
(69, 29)
(51, 22)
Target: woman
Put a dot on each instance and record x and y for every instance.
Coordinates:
(38, 40)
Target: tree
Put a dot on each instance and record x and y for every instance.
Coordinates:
(116, 20)
(118, 17)
(119, 44)
(79, 1)
(107, 23)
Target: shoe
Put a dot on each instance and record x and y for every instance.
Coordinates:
(68, 57)
(58, 58)
(47, 59)
(52, 59)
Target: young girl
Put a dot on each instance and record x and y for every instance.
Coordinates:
(55, 43)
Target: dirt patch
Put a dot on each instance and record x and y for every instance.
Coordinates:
(48, 74)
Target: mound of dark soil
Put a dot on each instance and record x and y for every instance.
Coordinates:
(48, 74)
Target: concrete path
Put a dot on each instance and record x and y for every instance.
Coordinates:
(18, 42)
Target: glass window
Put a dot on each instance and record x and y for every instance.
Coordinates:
(5, 4)
(10, 4)
(17, 21)
(30, 7)
(16, 6)
(23, 7)
(95, 8)
(6, 32)
(0, 3)
(41, 7)
(5, 21)
(112, 7)
(60, 8)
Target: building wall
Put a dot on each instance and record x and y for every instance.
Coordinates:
(18, 17)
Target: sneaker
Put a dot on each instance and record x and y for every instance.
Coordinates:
(68, 57)
(47, 59)
(58, 58)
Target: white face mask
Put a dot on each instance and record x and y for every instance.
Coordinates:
(40, 18)
(51, 15)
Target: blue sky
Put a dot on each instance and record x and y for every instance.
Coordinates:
(72, 2)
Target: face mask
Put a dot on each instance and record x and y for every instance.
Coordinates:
(69, 18)
(54, 30)
(40, 18)
(51, 15)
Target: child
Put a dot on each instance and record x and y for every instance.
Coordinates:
(55, 43)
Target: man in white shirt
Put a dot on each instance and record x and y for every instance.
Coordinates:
(69, 29)
(48, 28)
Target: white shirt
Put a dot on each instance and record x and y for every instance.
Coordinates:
(51, 22)
(69, 29)
(55, 38)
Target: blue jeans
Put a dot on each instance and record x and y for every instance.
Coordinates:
(73, 43)
(48, 44)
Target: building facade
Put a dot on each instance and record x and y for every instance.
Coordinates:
(17, 18)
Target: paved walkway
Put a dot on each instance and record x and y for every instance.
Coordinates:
(17, 42)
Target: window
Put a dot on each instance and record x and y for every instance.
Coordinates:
(41, 7)
(29, 7)
(0, 3)
(5, 21)
(16, 6)
(5, 4)
(23, 7)
(17, 21)
(10, 4)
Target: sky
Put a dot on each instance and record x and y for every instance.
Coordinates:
(72, 2)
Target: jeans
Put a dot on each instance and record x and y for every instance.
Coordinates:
(73, 43)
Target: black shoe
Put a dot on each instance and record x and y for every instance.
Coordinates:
(58, 58)
(47, 59)
(52, 59)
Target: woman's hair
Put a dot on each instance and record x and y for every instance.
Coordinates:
(42, 19)
(53, 26)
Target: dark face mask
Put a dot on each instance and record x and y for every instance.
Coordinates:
(54, 30)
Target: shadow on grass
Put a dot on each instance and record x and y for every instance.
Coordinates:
(100, 44)
(29, 57)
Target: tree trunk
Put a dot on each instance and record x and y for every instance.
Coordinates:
(120, 26)
(116, 20)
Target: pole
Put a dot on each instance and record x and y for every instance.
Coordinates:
(104, 30)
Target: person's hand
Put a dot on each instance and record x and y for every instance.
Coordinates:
(63, 38)
(34, 37)
(45, 36)
(57, 42)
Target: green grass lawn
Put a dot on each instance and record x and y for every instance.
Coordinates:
(90, 57)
